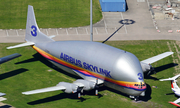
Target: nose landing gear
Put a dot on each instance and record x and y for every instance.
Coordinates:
(136, 98)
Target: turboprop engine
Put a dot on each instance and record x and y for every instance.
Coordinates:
(78, 86)
(70, 87)
(87, 85)
(147, 68)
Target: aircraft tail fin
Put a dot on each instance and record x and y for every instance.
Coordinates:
(173, 81)
(33, 34)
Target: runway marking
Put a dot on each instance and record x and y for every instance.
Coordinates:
(76, 31)
(47, 32)
(57, 32)
(124, 25)
(17, 33)
(86, 30)
(104, 21)
(7, 33)
(106, 30)
(148, 3)
(96, 30)
(140, 0)
(67, 32)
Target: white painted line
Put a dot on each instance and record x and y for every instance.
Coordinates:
(7, 33)
(148, 3)
(47, 32)
(96, 30)
(106, 30)
(86, 31)
(67, 32)
(104, 21)
(57, 32)
(17, 33)
(76, 31)
(124, 25)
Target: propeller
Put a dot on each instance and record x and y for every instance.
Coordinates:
(151, 70)
(79, 91)
(96, 87)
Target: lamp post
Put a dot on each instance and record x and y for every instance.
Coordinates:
(91, 18)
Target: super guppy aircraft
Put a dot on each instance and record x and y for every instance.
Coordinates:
(96, 63)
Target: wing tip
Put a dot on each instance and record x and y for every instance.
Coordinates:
(174, 104)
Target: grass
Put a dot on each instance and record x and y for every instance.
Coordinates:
(49, 13)
(31, 71)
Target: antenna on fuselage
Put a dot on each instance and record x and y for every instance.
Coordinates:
(91, 18)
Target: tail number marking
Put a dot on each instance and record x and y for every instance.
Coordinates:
(34, 30)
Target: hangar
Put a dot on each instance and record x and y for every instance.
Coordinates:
(113, 5)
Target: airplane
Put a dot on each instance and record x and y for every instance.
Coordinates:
(96, 63)
(174, 88)
(7, 58)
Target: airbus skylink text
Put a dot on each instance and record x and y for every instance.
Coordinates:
(84, 65)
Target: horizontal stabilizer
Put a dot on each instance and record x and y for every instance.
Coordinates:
(170, 79)
(52, 36)
(21, 45)
(55, 88)
(9, 57)
(156, 58)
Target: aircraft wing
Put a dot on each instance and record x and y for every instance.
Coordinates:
(89, 77)
(176, 102)
(55, 88)
(156, 58)
(9, 57)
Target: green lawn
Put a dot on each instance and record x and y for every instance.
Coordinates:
(49, 13)
(31, 71)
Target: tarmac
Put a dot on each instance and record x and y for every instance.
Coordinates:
(134, 24)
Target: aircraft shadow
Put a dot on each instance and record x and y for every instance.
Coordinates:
(169, 93)
(91, 92)
(57, 97)
(12, 73)
(159, 69)
(39, 57)
(5, 106)
(141, 98)
(69, 96)
(147, 94)
(164, 67)
(27, 61)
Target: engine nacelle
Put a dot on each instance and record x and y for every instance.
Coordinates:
(88, 85)
(70, 88)
(145, 67)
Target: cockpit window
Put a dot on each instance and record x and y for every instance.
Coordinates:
(139, 85)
